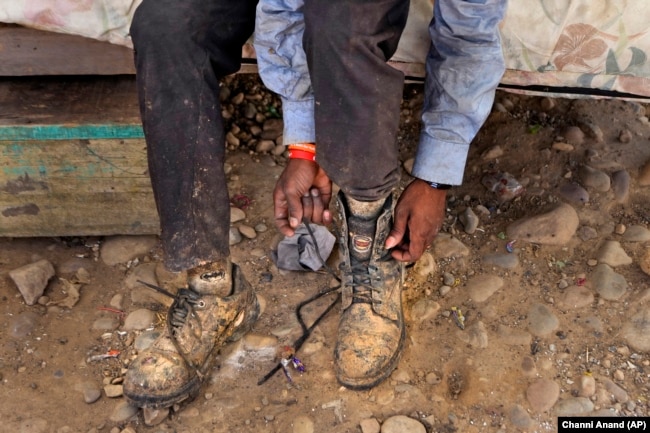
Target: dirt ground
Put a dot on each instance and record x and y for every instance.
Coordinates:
(480, 379)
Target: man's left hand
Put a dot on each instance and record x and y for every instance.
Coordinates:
(418, 217)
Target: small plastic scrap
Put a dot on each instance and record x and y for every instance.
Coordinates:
(504, 185)
(458, 317)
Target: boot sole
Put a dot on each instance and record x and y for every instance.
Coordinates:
(188, 392)
(370, 382)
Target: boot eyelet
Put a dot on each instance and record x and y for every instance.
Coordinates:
(200, 304)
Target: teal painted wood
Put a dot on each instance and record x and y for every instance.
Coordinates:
(77, 132)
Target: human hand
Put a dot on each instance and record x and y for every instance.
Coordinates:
(302, 191)
(419, 214)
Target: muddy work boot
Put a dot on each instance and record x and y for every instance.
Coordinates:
(218, 307)
(371, 329)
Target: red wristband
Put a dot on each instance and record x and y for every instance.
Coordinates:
(302, 154)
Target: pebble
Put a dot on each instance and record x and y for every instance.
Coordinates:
(23, 324)
(303, 424)
(272, 128)
(547, 104)
(625, 136)
(519, 417)
(644, 262)
(424, 309)
(116, 301)
(369, 425)
(139, 319)
(426, 265)
(587, 386)
(594, 131)
(562, 147)
(636, 233)
(573, 135)
(475, 335)
(542, 395)
(236, 214)
(32, 279)
(146, 339)
(91, 395)
(408, 165)
(596, 179)
(577, 297)
(643, 179)
(235, 236)
(443, 290)
(541, 320)
(621, 185)
(122, 412)
(469, 220)
(555, 227)
(574, 193)
(106, 324)
(574, 406)
(607, 283)
(265, 146)
(492, 153)
(402, 424)
(446, 246)
(586, 233)
(611, 253)
(481, 287)
(247, 231)
(448, 279)
(502, 260)
(113, 391)
(121, 249)
(619, 394)
(637, 330)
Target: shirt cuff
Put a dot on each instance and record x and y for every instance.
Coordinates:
(299, 124)
(439, 161)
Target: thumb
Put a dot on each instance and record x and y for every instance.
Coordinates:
(396, 235)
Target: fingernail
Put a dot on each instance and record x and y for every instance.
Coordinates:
(390, 242)
(293, 222)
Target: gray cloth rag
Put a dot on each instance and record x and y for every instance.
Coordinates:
(298, 252)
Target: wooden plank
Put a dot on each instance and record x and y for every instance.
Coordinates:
(64, 132)
(32, 102)
(75, 187)
(25, 51)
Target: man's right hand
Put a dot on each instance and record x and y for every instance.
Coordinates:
(302, 191)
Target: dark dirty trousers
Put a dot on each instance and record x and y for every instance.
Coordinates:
(184, 47)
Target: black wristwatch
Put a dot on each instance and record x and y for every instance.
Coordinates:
(437, 185)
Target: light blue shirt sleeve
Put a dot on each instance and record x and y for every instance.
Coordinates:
(463, 68)
(282, 65)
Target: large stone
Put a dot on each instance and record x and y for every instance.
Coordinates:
(637, 331)
(32, 279)
(480, 288)
(447, 246)
(609, 285)
(542, 395)
(121, 249)
(555, 227)
(611, 253)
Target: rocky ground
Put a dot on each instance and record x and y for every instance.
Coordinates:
(532, 303)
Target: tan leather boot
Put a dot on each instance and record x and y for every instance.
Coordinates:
(371, 328)
(219, 306)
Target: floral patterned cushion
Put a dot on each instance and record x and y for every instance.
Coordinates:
(556, 43)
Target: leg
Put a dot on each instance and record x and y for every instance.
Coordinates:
(357, 94)
(357, 106)
(182, 50)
